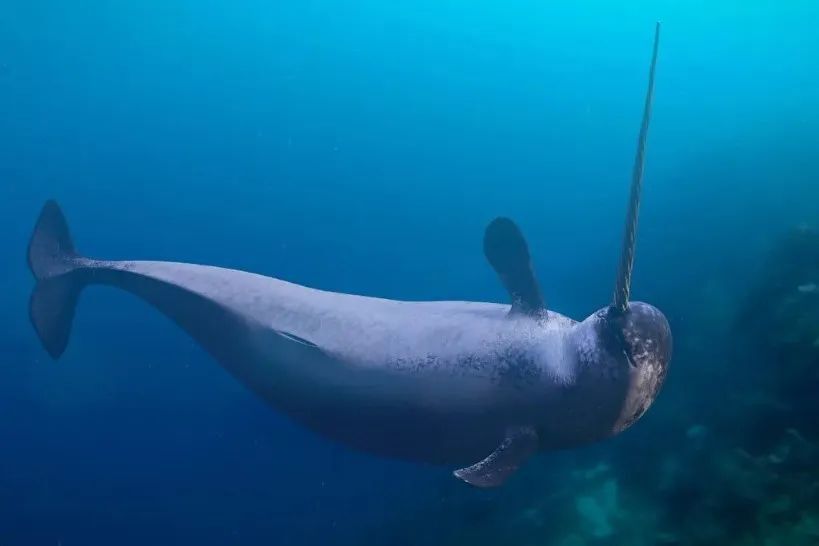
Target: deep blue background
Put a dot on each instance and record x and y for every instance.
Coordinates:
(360, 147)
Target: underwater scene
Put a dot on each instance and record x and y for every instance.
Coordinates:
(355, 273)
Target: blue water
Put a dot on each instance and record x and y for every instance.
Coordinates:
(362, 147)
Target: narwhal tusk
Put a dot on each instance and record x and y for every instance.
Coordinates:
(622, 289)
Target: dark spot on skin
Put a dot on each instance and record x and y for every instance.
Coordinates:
(516, 368)
(512, 367)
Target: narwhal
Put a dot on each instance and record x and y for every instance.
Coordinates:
(447, 382)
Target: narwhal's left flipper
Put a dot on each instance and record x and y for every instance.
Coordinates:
(520, 443)
(508, 253)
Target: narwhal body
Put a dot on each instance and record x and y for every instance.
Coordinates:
(444, 382)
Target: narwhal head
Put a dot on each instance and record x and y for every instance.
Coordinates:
(634, 352)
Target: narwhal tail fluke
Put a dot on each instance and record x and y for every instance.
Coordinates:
(60, 274)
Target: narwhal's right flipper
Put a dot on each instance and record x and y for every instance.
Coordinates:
(520, 443)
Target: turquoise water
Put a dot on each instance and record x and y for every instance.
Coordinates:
(363, 147)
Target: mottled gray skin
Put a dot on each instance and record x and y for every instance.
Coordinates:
(430, 381)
